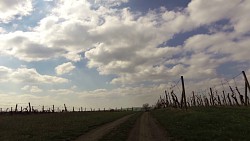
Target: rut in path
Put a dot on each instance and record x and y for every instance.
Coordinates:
(98, 133)
(146, 129)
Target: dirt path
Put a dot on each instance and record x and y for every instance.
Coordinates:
(98, 133)
(146, 129)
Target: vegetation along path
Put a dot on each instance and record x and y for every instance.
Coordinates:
(147, 129)
(99, 132)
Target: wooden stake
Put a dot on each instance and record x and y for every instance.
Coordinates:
(16, 108)
(183, 92)
(65, 108)
(246, 86)
(29, 107)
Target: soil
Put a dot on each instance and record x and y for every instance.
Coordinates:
(98, 133)
(147, 129)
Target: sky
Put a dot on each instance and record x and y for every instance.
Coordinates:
(117, 53)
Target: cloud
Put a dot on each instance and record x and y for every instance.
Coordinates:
(26, 46)
(32, 89)
(2, 30)
(124, 43)
(11, 9)
(64, 68)
(27, 76)
(62, 91)
(109, 3)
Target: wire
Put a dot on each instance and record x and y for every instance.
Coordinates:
(175, 84)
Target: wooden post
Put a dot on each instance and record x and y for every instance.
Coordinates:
(43, 109)
(29, 107)
(16, 108)
(65, 108)
(246, 86)
(21, 109)
(81, 109)
(183, 92)
(212, 96)
(53, 109)
(73, 109)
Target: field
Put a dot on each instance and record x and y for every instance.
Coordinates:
(197, 123)
(211, 123)
(53, 126)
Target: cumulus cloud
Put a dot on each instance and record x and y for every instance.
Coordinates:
(28, 76)
(2, 30)
(126, 43)
(10, 9)
(32, 89)
(62, 91)
(26, 46)
(64, 68)
(110, 3)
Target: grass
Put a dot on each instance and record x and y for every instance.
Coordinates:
(213, 123)
(52, 127)
(121, 132)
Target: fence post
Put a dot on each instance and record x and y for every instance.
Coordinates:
(16, 108)
(29, 107)
(246, 86)
(65, 108)
(183, 93)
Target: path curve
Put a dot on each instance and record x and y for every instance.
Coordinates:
(147, 129)
(99, 132)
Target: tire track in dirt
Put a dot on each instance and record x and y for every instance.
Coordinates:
(147, 129)
(99, 132)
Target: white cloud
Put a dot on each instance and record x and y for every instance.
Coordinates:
(61, 91)
(206, 12)
(2, 30)
(64, 68)
(125, 43)
(28, 76)
(10, 9)
(32, 89)
(26, 46)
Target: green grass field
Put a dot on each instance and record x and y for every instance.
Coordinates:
(213, 123)
(52, 127)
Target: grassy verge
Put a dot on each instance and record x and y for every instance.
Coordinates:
(52, 127)
(121, 132)
(225, 123)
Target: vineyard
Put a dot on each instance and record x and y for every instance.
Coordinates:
(232, 92)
